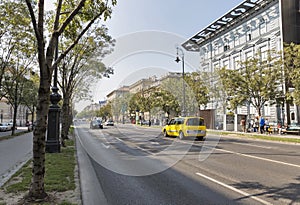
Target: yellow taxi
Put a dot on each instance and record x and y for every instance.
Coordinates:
(185, 127)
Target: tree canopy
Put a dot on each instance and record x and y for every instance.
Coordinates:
(73, 20)
(258, 79)
(292, 71)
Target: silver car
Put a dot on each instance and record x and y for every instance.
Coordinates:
(5, 127)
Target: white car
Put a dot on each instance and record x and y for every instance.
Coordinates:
(109, 123)
(5, 127)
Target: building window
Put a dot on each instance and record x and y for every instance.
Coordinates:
(202, 52)
(262, 26)
(249, 37)
(236, 40)
(248, 55)
(235, 62)
(226, 64)
(263, 53)
(226, 47)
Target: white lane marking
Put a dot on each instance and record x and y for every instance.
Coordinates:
(251, 145)
(106, 146)
(233, 189)
(119, 139)
(144, 150)
(251, 156)
(260, 158)
(156, 143)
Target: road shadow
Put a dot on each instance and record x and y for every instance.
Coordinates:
(289, 192)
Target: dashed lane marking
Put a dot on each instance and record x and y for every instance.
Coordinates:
(243, 193)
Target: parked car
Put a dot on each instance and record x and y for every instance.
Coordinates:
(30, 126)
(292, 129)
(109, 123)
(96, 124)
(5, 127)
(12, 124)
(145, 122)
(185, 127)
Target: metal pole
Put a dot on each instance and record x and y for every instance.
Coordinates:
(53, 142)
(183, 84)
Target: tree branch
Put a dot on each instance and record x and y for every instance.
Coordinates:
(33, 20)
(78, 38)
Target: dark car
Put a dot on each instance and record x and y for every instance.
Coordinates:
(96, 124)
(145, 122)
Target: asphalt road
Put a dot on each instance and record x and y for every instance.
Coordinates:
(14, 153)
(134, 165)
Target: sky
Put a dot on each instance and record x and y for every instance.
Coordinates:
(147, 33)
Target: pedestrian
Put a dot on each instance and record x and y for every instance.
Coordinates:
(251, 125)
(255, 125)
(279, 127)
(149, 123)
(267, 126)
(243, 124)
(262, 125)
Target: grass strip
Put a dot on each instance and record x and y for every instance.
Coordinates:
(255, 136)
(280, 139)
(59, 173)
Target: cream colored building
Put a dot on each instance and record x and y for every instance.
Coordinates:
(117, 93)
(7, 112)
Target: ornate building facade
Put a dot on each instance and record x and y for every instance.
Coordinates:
(252, 26)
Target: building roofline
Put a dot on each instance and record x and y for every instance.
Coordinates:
(222, 23)
(124, 88)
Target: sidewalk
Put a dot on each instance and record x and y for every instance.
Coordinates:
(258, 134)
(14, 153)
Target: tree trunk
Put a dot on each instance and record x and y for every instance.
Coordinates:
(14, 119)
(15, 107)
(65, 119)
(37, 189)
(258, 109)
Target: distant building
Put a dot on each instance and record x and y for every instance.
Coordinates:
(136, 87)
(143, 84)
(92, 107)
(117, 93)
(7, 113)
(252, 26)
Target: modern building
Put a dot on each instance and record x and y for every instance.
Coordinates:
(252, 26)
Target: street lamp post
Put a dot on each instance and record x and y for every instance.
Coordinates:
(181, 55)
(53, 143)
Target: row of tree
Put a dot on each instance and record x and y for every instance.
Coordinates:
(29, 37)
(264, 77)
(17, 53)
(167, 97)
